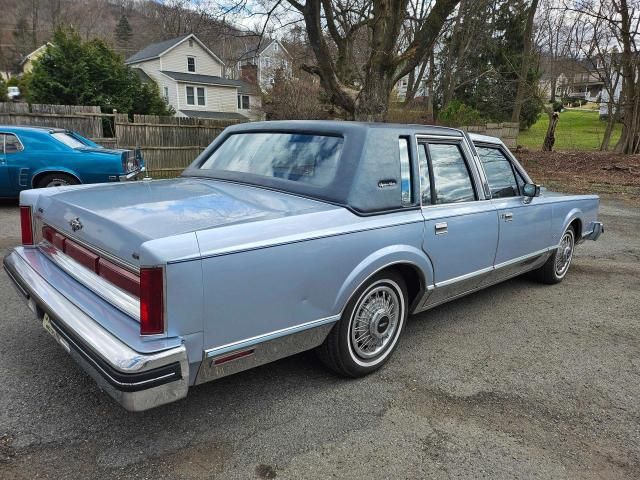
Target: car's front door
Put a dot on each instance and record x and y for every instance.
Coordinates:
(461, 226)
(525, 223)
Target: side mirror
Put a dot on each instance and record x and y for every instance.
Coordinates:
(531, 190)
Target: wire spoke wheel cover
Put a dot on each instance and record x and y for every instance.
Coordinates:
(376, 322)
(564, 254)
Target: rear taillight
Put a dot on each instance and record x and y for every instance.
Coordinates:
(26, 225)
(151, 301)
(119, 276)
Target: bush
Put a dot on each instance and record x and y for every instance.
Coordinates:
(457, 114)
(575, 103)
(557, 106)
(293, 99)
(3, 91)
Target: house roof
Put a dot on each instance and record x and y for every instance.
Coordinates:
(214, 115)
(142, 75)
(255, 46)
(242, 86)
(29, 55)
(157, 49)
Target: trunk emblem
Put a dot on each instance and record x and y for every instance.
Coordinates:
(76, 224)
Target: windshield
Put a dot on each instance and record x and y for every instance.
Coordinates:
(305, 158)
(68, 140)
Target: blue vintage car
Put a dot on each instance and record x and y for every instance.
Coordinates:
(279, 238)
(36, 157)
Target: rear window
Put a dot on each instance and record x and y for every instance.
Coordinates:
(304, 158)
(68, 140)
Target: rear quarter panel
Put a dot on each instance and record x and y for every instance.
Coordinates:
(267, 288)
(567, 208)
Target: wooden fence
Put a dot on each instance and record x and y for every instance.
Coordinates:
(168, 144)
(85, 120)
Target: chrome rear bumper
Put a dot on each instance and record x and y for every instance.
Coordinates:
(137, 381)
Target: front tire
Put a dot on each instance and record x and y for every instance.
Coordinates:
(557, 266)
(371, 324)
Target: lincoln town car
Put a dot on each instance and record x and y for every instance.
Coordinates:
(283, 237)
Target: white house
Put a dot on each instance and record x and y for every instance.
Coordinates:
(190, 79)
(264, 57)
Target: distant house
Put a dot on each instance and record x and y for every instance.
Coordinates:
(190, 79)
(26, 65)
(260, 59)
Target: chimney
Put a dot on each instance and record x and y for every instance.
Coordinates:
(249, 73)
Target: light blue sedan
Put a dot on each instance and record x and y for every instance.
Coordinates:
(279, 238)
(37, 157)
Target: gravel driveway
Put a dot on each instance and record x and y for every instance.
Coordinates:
(518, 381)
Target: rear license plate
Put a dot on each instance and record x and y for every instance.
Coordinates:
(46, 323)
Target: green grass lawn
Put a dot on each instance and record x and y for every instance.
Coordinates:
(576, 130)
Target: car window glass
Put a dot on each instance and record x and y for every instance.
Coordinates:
(500, 176)
(68, 140)
(452, 181)
(297, 157)
(425, 181)
(10, 143)
(405, 171)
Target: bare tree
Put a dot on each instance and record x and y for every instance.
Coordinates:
(386, 62)
(622, 18)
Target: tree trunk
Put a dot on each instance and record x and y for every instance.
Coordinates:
(372, 104)
(611, 121)
(629, 142)
(550, 137)
(524, 67)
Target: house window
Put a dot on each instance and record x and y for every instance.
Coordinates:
(191, 64)
(165, 94)
(196, 94)
(243, 102)
(275, 47)
(190, 42)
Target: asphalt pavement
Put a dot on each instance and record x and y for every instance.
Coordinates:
(521, 380)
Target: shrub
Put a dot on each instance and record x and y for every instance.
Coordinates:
(457, 114)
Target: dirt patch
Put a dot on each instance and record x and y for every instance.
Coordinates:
(585, 172)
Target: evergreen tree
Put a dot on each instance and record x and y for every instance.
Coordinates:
(487, 81)
(123, 32)
(3, 91)
(73, 72)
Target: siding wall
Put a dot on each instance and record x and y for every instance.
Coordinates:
(219, 99)
(176, 60)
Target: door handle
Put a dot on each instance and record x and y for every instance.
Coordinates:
(507, 216)
(441, 228)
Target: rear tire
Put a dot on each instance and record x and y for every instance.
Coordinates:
(371, 324)
(56, 180)
(557, 265)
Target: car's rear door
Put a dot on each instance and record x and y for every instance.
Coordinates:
(461, 225)
(525, 223)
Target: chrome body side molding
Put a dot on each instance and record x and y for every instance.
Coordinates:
(464, 285)
(229, 359)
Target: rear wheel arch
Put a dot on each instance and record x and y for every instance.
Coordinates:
(410, 263)
(38, 176)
